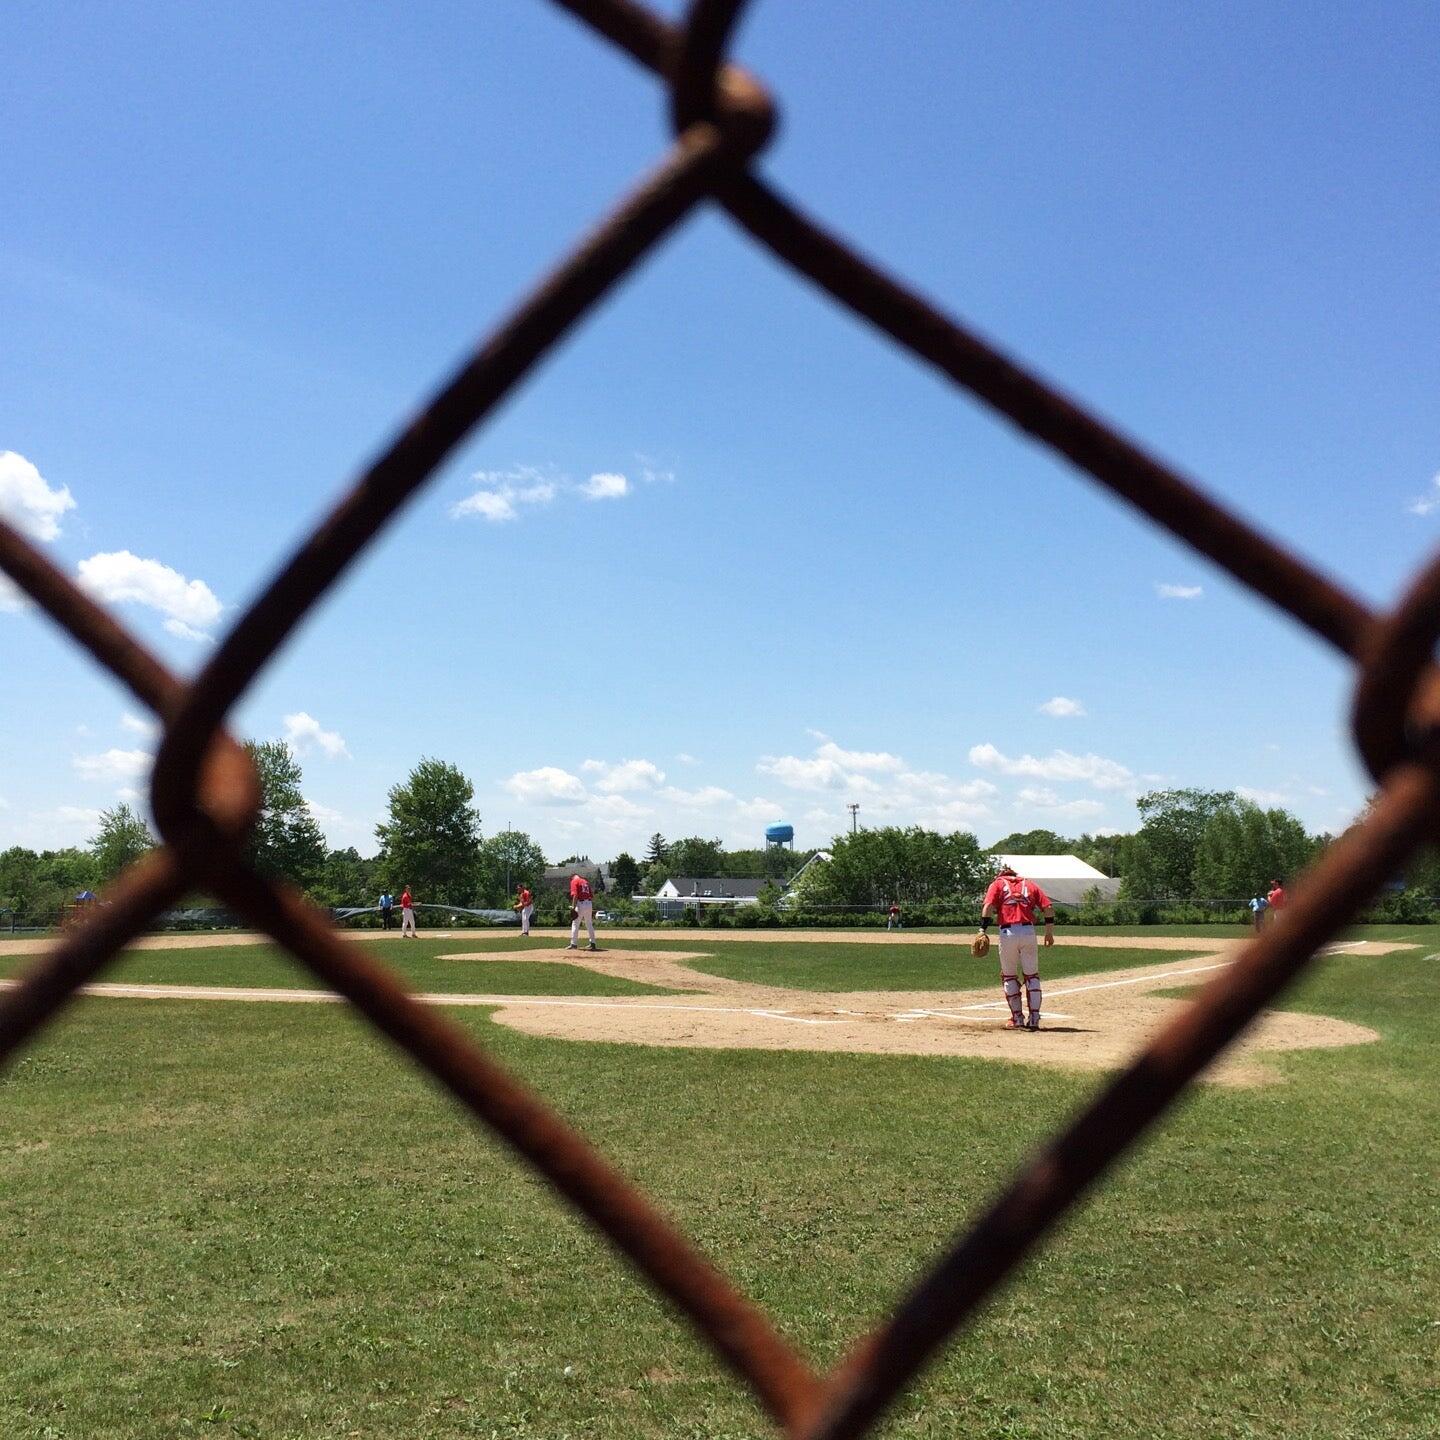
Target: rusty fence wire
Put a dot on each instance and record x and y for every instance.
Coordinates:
(205, 793)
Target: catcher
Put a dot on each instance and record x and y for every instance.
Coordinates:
(1017, 900)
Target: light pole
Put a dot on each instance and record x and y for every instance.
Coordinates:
(854, 810)
(507, 861)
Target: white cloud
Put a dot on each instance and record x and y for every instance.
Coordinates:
(303, 733)
(1425, 504)
(704, 798)
(831, 768)
(1062, 707)
(27, 502)
(1095, 770)
(76, 815)
(113, 764)
(323, 814)
(190, 606)
(605, 486)
(188, 632)
(628, 775)
(1262, 797)
(685, 759)
(139, 725)
(549, 785)
(1179, 592)
(487, 504)
(502, 492)
(1043, 798)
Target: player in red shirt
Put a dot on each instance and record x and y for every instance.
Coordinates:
(1017, 900)
(1277, 898)
(525, 904)
(582, 907)
(407, 915)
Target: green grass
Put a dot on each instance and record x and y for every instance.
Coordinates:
(825, 967)
(418, 961)
(256, 1222)
(905, 967)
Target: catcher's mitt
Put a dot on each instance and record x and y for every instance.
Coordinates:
(980, 945)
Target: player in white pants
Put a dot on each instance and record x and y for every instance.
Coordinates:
(582, 902)
(1017, 900)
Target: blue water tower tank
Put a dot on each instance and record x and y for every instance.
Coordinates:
(779, 834)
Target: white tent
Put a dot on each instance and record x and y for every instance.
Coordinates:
(1064, 878)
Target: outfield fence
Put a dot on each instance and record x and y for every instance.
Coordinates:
(205, 794)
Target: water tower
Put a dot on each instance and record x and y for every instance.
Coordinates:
(778, 835)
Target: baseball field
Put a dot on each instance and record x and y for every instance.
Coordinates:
(228, 1209)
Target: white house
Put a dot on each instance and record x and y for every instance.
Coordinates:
(1064, 878)
(682, 890)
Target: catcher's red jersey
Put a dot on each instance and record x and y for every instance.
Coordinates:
(1017, 899)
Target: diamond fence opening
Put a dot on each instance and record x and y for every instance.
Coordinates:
(205, 794)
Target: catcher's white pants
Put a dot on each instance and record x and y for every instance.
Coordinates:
(1020, 955)
(407, 921)
(584, 910)
(525, 915)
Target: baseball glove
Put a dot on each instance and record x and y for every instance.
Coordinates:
(980, 946)
(574, 913)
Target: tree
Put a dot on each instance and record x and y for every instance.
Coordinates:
(658, 850)
(1223, 869)
(286, 841)
(693, 856)
(431, 841)
(1033, 842)
(1173, 821)
(625, 874)
(123, 837)
(346, 878)
(875, 865)
(1140, 881)
(507, 860)
(1105, 852)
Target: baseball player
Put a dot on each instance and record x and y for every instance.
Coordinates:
(1017, 900)
(893, 921)
(1277, 898)
(525, 904)
(407, 915)
(582, 907)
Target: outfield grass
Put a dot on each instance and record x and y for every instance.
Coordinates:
(826, 967)
(907, 967)
(417, 960)
(254, 1221)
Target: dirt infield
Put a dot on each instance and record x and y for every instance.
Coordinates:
(1090, 1022)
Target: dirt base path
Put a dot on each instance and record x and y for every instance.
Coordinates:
(1093, 1022)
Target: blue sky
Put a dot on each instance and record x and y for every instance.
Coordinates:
(240, 246)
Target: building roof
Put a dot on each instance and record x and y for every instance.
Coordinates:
(1066, 879)
(1051, 867)
(741, 886)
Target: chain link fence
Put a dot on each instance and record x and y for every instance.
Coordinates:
(205, 794)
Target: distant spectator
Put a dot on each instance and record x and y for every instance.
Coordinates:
(387, 907)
